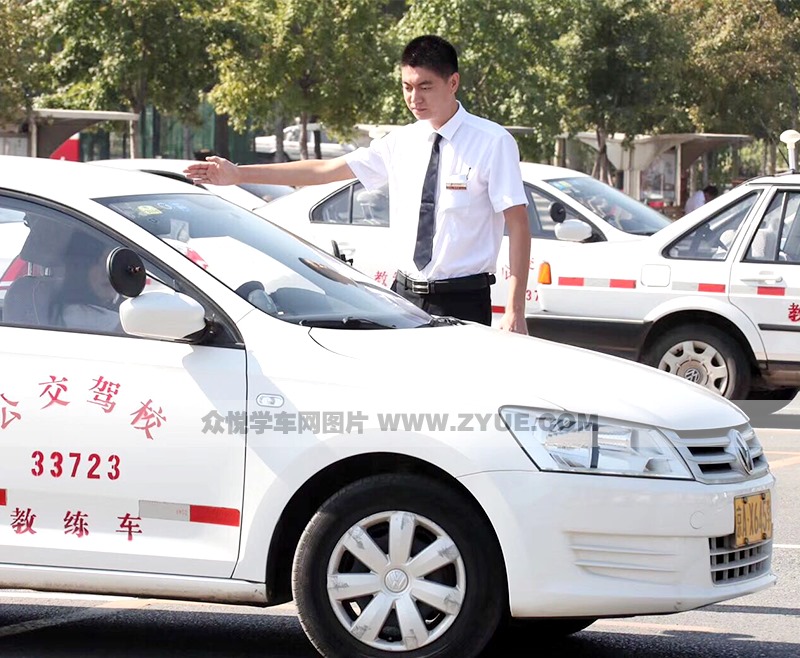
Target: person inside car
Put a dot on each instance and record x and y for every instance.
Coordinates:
(87, 302)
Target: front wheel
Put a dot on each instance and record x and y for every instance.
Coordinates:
(704, 355)
(398, 566)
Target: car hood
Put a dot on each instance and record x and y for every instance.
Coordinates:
(485, 368)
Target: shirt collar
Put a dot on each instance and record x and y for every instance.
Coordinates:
(449, 129)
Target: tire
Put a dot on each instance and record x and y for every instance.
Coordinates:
(466, 564)
(705, 355)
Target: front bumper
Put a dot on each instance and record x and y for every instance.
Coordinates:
(594, 546)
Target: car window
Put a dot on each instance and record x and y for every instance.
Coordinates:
(354, 205)
(777, 238)
(58, 278)
(712, 239)
(288, 279)
(541, 224)
(612, 205)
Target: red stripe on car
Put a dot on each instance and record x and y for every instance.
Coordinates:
(214, 515)
(622, 283)
(570, 280)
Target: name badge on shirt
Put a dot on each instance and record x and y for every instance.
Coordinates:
(456, 182)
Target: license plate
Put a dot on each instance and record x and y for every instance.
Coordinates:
(753, 518)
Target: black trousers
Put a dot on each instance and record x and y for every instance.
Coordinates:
(471, 305)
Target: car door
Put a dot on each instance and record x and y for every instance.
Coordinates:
(109, 456)
(765, 280)
(543, 245)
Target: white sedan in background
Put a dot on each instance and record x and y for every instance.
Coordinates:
(190, 408)
(714, 298)
(350, 221)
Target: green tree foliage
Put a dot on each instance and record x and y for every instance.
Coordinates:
(20, 58)
(301, 58)
(743, 65)
(621, 63)
(507, 62)
(126, 54)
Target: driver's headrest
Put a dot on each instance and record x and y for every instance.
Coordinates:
(47, 241)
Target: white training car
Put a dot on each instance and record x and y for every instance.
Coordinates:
(347, 219)
(246, 195)
(714, 298)
(233, 415)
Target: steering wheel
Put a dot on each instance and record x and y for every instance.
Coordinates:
(254, 292)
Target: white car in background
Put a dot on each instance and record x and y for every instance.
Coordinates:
(352, 222)
(249, 195)
(714, 298)
(268, 144)
(229, 438)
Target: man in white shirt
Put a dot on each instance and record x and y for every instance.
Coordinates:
(473, 188)
(701, 197)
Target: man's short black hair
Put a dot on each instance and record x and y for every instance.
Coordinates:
(711, 190)
(431, 52)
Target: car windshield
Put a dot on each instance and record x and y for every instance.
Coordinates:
(615, 207)
(276, 271)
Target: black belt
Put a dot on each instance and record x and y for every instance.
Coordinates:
(460, 284)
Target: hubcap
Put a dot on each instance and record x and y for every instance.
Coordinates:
(396, 581)
(697, 362)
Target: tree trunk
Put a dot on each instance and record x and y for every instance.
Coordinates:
(221, 145)
(317, 138)
(280, 153)
(602, 170)
(304, 135)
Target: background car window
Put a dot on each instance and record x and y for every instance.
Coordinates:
(541, 224)
(712, 239)
(777, 238)
(354, 205)
(612, 205)
(57, 277)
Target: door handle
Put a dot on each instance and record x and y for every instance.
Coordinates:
(764, 277)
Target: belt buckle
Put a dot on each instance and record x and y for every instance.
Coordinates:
(420, 287)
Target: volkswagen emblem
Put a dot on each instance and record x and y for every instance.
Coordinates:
(742, 451)
(693, 375)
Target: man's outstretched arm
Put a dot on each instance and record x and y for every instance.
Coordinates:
(219, 171)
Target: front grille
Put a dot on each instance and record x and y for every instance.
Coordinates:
(732, 565)
(723, 455)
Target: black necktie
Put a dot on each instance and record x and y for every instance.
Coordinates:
(423, 251)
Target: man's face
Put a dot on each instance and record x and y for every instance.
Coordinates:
(428, 95)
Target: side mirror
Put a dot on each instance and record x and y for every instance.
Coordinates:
(338, 253)
(126, 272)
(558, 213)
(573, 230)
(170, 316)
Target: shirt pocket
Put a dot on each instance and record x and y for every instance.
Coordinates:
(455, 197)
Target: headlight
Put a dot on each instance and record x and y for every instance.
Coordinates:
(579, 443)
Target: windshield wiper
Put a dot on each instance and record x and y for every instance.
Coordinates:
(346, 322)
(442, 321)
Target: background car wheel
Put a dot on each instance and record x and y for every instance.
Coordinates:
(704, 355)
(398, 565)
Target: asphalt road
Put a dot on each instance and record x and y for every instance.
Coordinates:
(762, 625)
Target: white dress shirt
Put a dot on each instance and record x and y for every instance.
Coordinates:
(695, 201)
(479, 178)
